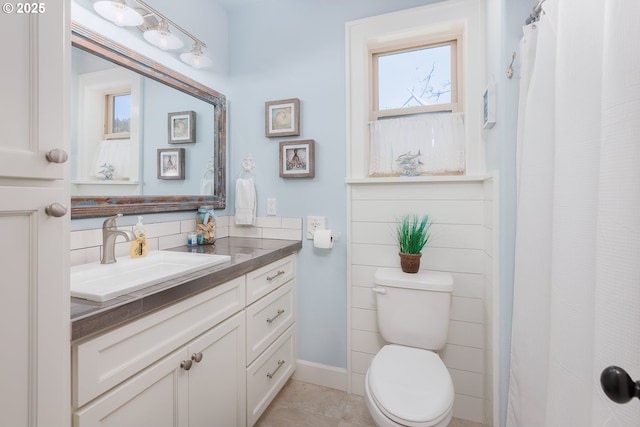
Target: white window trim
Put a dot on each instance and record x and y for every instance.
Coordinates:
(446, 17)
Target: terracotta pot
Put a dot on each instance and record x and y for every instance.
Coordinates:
(410, 263)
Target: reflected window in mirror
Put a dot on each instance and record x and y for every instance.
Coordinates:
(118, 118)
(106, 140)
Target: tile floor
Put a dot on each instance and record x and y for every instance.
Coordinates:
(301, 404)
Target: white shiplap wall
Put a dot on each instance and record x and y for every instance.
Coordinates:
(461, 244)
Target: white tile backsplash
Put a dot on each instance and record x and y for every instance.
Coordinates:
(86, 245)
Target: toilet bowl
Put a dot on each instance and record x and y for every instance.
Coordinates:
(407, 384)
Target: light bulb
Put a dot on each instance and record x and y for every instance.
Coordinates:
(196, 58)
(161, 36)
(118, 12)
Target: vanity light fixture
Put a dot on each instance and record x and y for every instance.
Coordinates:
(155, 28)
(118, 12)
(196, 58)
(161, 36)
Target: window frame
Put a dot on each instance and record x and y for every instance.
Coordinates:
(109, 109)
(406, 45)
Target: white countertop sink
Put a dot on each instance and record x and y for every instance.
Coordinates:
(102, 282)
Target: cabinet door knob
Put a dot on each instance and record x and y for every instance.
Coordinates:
(56, 155)
(196, 357)
(56, 210)
(186, 364)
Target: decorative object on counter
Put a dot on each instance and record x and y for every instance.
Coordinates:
(171, 163)
(409, 163)
(207, 182)
(182, 127)
(412, 234)
(139, 247)
(192, 238)
(282, 118)
(246, 194)
(297, 159)
(206, 225)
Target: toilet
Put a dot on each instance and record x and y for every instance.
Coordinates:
(407, 383)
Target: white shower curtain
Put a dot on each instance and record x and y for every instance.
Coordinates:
(576, 307)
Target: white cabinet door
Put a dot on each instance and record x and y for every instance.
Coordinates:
(156, 397)
(35, 89)
(34, 247)
(217, 386)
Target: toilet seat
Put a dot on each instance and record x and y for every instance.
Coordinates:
(410, 386)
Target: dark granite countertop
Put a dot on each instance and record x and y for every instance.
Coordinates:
(247, 254)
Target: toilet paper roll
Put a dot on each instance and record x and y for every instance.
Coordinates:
(323, 239)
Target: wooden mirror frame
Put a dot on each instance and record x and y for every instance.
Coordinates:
(99, 206)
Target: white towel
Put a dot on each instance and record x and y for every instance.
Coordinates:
(245, 202)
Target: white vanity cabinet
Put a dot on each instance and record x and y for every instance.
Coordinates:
(271, 333)
(180, 366)
(217, 358)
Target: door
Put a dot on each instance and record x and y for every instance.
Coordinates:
(217, 382)
(156, 397)
(34, 229)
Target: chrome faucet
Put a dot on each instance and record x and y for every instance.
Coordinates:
(109, 234)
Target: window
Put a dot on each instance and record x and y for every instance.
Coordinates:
(417, 127)
(415, 78)
(118, 115)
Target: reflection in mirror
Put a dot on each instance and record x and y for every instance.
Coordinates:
(114, 154)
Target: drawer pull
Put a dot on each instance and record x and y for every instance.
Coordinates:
(270, 320)
(271, 374)
(186, 364)
(279, 273)
(196, 357)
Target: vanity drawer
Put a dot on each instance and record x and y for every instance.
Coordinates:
(270, 371)
(105, 361)
(268, 317)
(265, 279)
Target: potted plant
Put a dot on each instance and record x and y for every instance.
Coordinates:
(413, 234)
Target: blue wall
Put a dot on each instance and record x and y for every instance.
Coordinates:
(296, 49)
(505, 19)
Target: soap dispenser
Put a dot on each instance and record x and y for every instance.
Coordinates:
(139, 246)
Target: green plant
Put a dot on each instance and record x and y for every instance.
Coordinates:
(413, 233)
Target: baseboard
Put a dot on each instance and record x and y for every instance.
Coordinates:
(324, 375)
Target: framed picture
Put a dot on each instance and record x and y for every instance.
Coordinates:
(182, 127)
(297, 159)
(171, 163)
(282, 118)
(488, 108)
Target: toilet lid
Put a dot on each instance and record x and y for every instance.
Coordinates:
(410, 385)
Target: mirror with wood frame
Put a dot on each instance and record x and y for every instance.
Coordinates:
(98, 206)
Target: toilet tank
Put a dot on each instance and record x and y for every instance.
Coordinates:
(413, 309)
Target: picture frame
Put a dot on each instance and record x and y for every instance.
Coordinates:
(171, 163)
(182, 127)
(488, 108)
(297, 159)
(282, 118)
